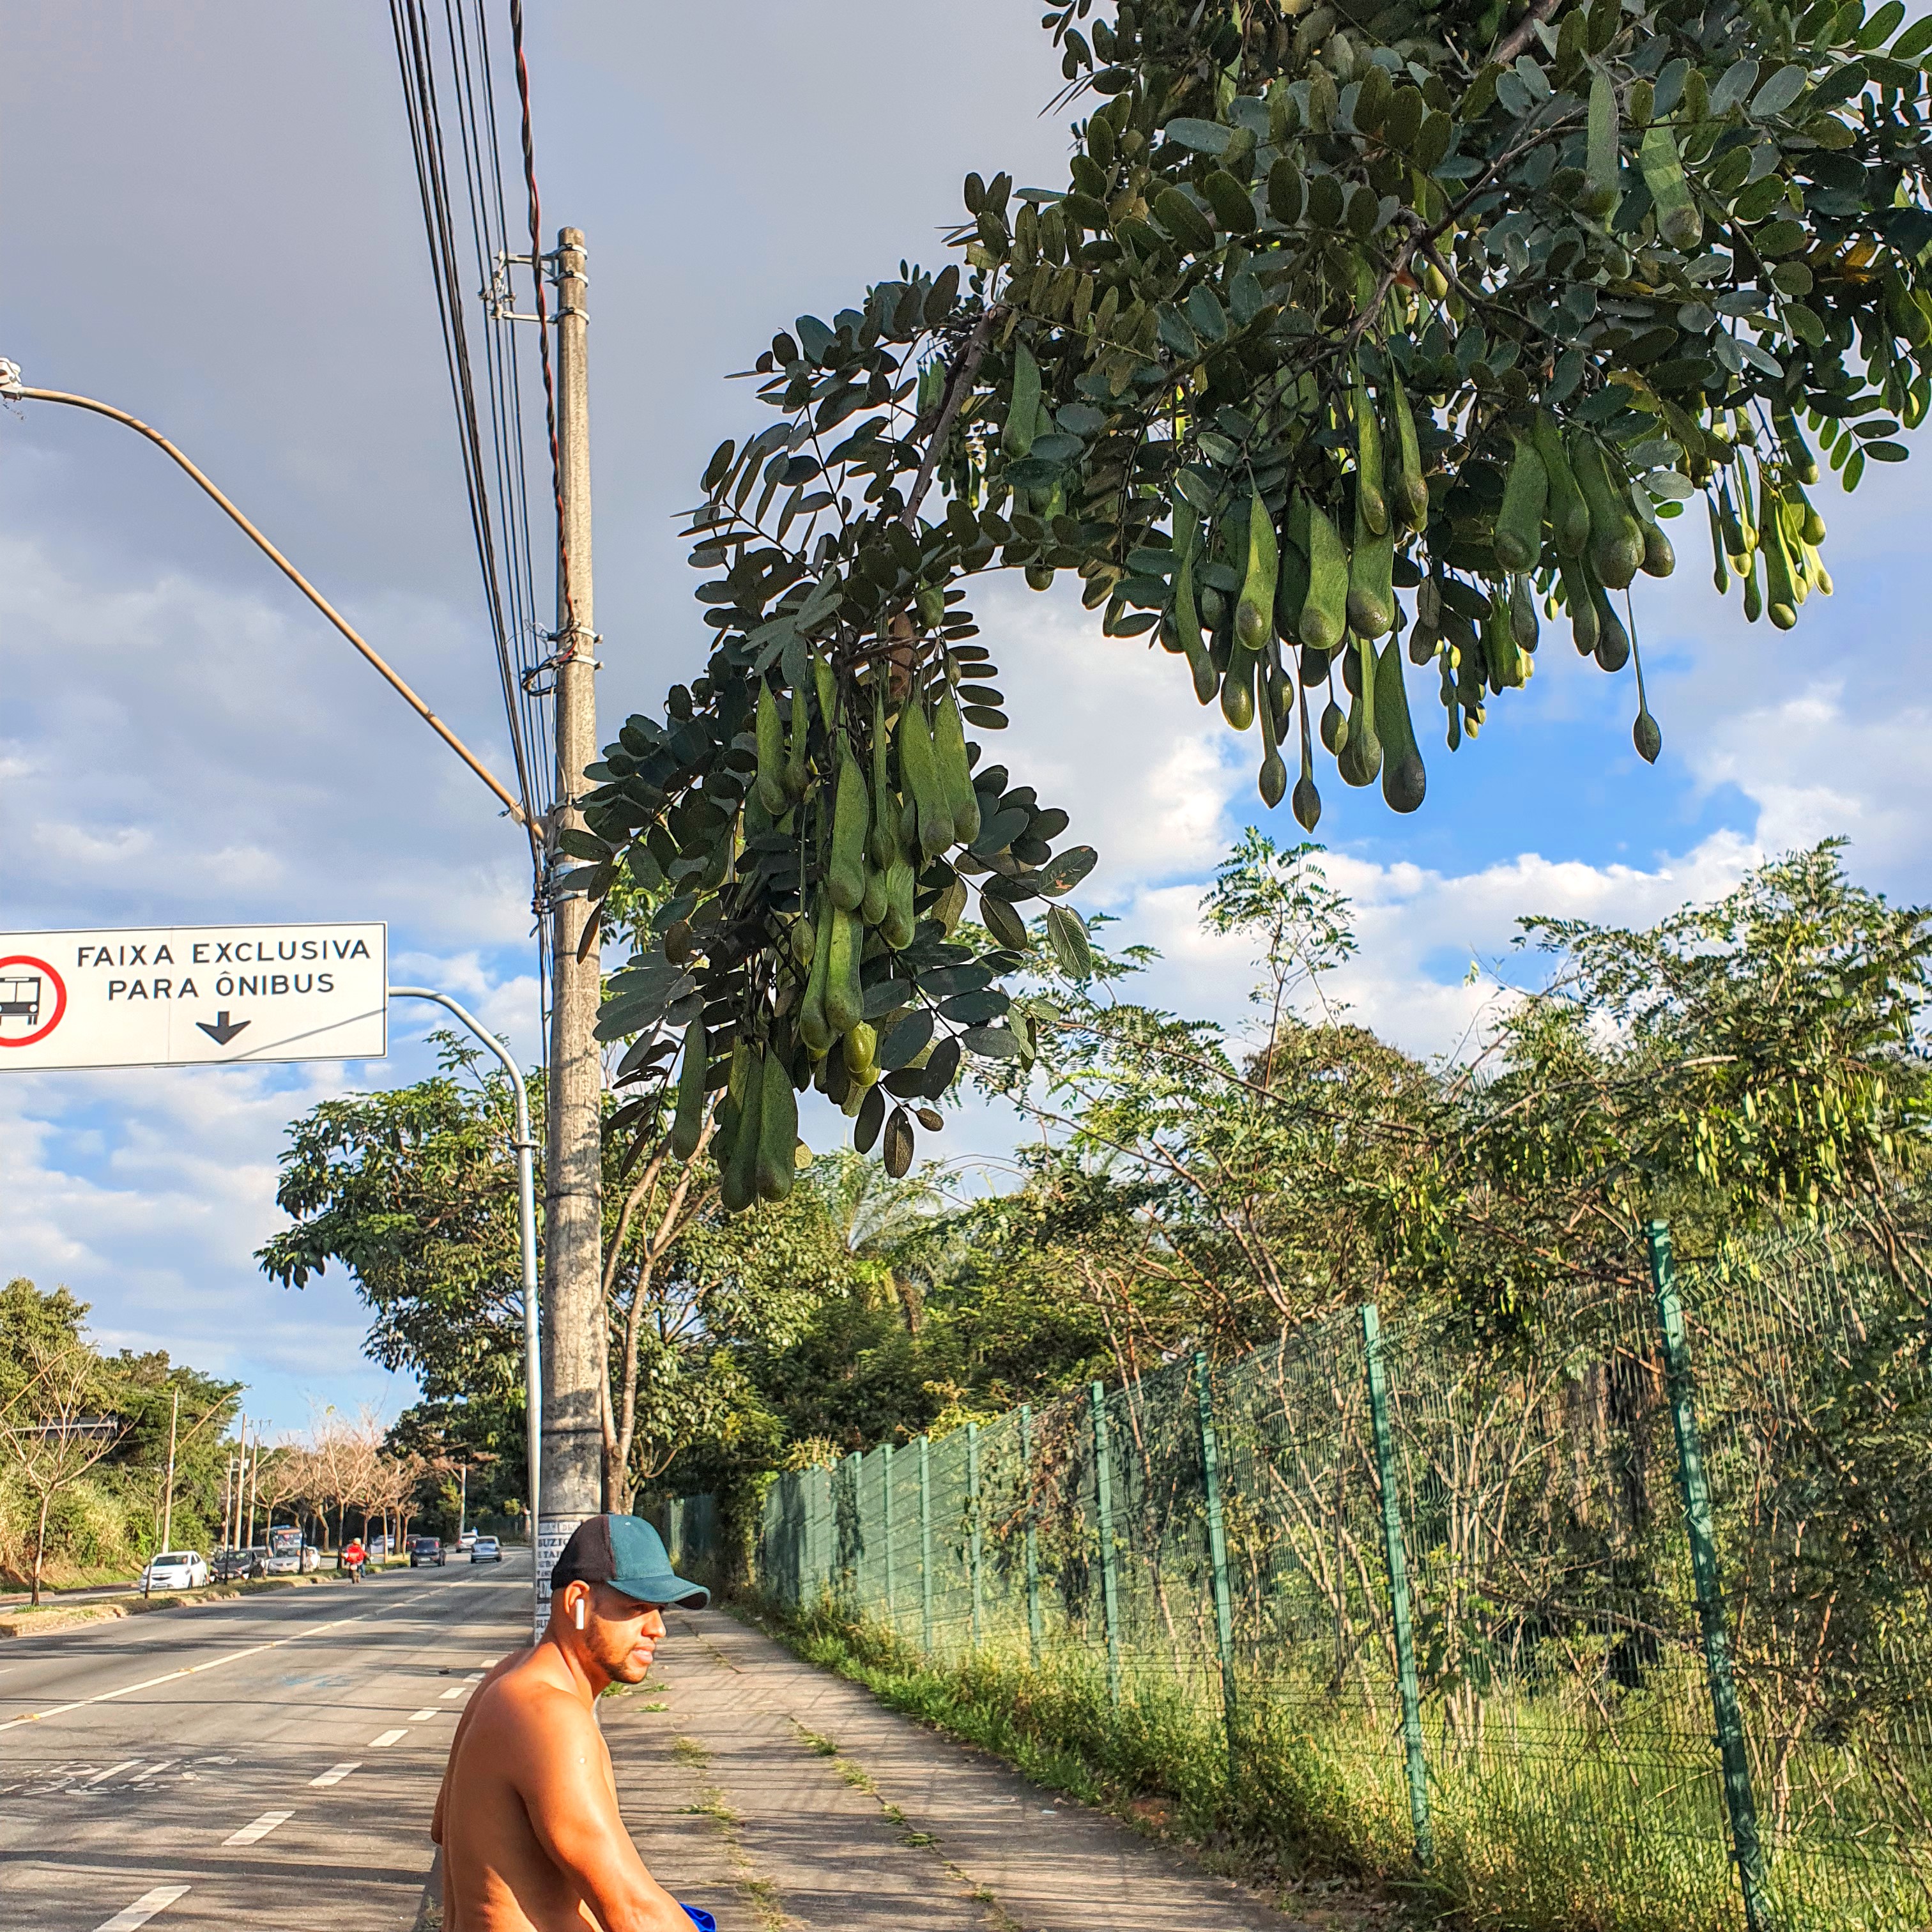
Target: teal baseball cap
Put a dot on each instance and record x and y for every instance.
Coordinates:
(627, 1553)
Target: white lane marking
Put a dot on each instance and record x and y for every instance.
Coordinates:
(101, 1776)
(417, 1716)
(335, 1774)
(168, 1677)
(143, 1908)
(155, 1770)
(250, 1834)
(456, 1690)
(386, 1740)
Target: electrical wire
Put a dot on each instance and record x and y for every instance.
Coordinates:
(569, 639)
(449, 91)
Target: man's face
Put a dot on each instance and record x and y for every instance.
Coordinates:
(621, 1635)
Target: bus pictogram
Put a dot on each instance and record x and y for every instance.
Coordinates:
(33, 996)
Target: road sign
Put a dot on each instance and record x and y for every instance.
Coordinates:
(193, 995)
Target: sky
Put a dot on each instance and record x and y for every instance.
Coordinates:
(212, 221)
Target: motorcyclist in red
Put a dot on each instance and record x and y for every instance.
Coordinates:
(353, 1557)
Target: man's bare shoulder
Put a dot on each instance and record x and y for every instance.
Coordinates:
(531, 1701)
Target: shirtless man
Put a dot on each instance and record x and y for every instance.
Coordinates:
(527, 1817)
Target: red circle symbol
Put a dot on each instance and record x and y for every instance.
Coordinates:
(27, 995)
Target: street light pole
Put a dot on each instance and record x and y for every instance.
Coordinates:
(527, 1235)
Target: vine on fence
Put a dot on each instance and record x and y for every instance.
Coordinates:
(1337, 309)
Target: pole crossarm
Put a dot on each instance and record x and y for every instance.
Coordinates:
(13, 391)
(526, 1231)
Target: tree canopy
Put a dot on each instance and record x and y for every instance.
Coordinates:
(1347, 328)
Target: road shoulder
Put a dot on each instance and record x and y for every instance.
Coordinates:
(825, 1810)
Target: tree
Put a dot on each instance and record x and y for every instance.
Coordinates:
(1462, 302)
(54, 1429)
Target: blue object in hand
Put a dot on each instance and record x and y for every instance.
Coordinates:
(703, 1921)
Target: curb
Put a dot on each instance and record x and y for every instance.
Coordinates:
(35, 1623)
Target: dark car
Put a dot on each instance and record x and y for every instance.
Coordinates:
(426, 1550)
(232, 1566)
(486, 1549)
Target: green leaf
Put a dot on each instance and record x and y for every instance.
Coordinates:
(1881, 452)
(982, 716)
(972, 1009)
(1204, 137)
(905, 1042)
(583, 845)
(1066, 934)
(1778, 92)
(1068, 870)
(990, 1042)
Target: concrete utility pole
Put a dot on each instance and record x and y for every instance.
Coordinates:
(574, 1351)
(168, 1502)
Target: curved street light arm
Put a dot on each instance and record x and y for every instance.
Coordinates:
(12, 391)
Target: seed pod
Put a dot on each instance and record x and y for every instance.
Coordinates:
(739, 1182)
(1616, 542)
(1371, 505)
(1254, 613)
(1408, 491)
(1659, 558)
(1324, 617)
(1579, 600)
(814, 1028)
(689, 1125)
(1371, 602)
(795, 767)
(1519, 532)
(882, 843)
(1023, 411)
(844, 1002)
(901, 886)
(778, 1132)
(845, 875)
(1678, 220)
(919, 770)
(1404, 780)
(1569, 513)
(771, 752)
(955, 775)
(1613, 645)
(1523, 626)
(1599, 196)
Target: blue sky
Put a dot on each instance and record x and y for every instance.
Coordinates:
(212, 221)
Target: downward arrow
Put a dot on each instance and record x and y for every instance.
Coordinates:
(221, 1032)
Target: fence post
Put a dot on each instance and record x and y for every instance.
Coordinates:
(1740, 1802)
(855, 1465)
(973, 1521)
(925, 1543)
(1103, 1495)
(892, 1574)
(1032, 1538)
(1217, 1555)
(1398, 1576)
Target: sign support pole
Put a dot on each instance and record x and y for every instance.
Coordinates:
(527, 1235)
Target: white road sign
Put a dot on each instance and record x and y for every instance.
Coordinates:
(193, 995)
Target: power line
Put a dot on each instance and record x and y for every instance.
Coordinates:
(449, 91)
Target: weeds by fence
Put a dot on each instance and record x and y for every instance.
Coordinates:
(1626, 1624)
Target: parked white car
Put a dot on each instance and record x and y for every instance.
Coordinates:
(176, 1569)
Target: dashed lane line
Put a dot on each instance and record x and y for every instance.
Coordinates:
(456, 1690)
(216, 1663)
(143, 1908)
(335, 1774)
(253, 1834)
(421, 1717)
(102, 1776)
(387, 1739)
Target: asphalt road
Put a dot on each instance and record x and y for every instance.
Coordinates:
(271, 1761)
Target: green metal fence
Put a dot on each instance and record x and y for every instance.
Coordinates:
(1628, 1626)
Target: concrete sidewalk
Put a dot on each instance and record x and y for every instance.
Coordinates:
(779, 1796)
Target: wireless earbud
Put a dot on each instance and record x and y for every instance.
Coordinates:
(579, 1613)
